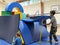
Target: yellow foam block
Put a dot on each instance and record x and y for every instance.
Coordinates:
(19, 13)
(21, 37)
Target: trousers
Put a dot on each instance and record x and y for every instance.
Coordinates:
(53, 33)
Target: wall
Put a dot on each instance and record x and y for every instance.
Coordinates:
(31, 9)
(48, 5)
(2, 7)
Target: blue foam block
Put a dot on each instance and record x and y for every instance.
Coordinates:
(36, 19)
(28, 20)
(37, 30)
(12, 5)
(44, 32)
(26, 34)
(36, 34)
(34, 29)
(40, 17)
(33, 26)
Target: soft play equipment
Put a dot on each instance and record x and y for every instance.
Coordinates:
(23, 16)
(30, 29)
(16, 5)
(3, 42)
(8, 28)
(19, 10)
(13, 5)
(20, 13)
(5, 13)
(26, 34)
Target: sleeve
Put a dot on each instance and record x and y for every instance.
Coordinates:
(52, 20)
(15, 43)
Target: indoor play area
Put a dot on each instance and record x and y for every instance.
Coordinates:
(26, 22)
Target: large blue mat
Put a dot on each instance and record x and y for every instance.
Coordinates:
(2, 42)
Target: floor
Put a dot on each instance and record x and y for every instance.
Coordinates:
(48, 43)
(53, 43)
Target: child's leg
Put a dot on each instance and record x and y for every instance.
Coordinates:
(55, 37)
(54, 34)
(50, 36)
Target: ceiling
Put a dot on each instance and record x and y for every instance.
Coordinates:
(5, 2)
(13, 0)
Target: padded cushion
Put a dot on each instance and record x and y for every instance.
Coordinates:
(26, 34)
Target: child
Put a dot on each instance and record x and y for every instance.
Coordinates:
(28, 16)
(53, 27)
(18, 41)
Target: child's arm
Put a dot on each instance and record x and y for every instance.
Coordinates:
(52, 20)
(15, 43)
(47, 24)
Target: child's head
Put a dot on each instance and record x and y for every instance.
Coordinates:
(27, 15)
(17, 34)
(52, 12)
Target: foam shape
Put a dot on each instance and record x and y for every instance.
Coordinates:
(8, 27)
(16, 9)
(26, 34)
(21, 37)
(2, 42)
(38, 29)
(44, 32)
(35, 32)
(39, 18)
(5, 13)
(20, 13)
(23, 16)
(42, 29)
(12, 5)
(35, 28)
(28, 20)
